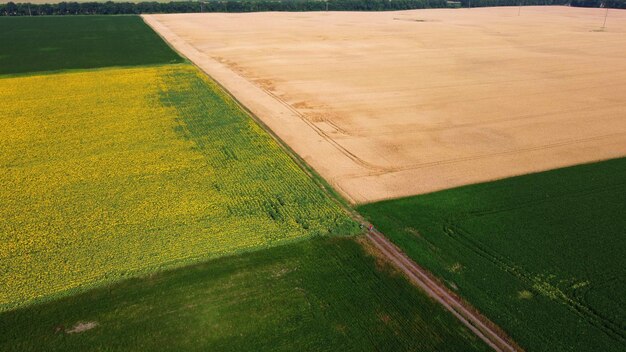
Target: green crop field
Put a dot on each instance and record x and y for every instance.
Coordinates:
(317, 295)
(542, 255)
(29, 44)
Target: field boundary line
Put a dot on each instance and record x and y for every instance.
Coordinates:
(486, 330)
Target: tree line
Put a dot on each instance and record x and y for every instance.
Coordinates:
(119, 8)
(617, 4)
(613, 4)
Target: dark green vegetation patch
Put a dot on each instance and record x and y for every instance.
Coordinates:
(33, 44)
(542, 255)
(323, 294)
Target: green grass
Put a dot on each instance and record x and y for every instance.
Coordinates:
(542, 255)
(48, 43)
(317, 295)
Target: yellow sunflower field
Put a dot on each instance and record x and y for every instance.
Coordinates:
(113, 172)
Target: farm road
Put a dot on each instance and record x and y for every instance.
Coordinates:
(478, 324)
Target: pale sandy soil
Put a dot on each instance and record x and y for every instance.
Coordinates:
(392, 104)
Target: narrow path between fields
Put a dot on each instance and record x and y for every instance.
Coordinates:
(481, 326)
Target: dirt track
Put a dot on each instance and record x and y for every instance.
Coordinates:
(484, 329)
(393, 104)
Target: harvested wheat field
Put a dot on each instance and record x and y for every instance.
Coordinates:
(393, 104)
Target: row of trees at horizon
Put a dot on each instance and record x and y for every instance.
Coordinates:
(118, 8)
(618, 4)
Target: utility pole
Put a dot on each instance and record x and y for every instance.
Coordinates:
(606, 14)
(519, 10)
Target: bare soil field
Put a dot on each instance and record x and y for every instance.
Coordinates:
(391, 104)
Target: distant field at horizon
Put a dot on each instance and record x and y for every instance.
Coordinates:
(54, 43)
